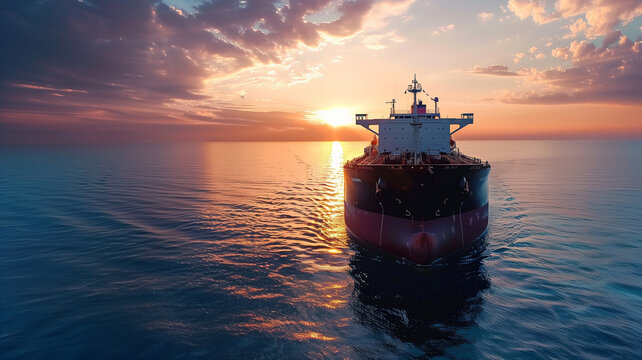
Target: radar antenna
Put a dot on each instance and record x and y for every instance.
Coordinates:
(436, 100)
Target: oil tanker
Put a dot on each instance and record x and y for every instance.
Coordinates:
(412, 193)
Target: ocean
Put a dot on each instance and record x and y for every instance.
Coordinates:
(239, 250)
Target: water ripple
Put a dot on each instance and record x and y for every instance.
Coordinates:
(239, 250)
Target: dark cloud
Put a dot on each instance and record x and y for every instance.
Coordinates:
(73, 57)
(107, 48)
(354, 13)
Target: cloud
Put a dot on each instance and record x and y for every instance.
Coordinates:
(578, 27)
(121, 56)
(531, 8)
(538, 55)
(383, 12)
(208, 124)
(600, 16)
(354, 14)
(611, 73)
(443, 29)
(376, 33)
(311, 73)
(485, 16)
(493, 70)
(376, 41)
(517, 57)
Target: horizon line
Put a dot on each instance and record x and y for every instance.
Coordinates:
(80, 143)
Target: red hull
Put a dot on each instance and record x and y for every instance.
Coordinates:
(423, 242)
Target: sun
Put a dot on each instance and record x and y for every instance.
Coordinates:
(335, 117)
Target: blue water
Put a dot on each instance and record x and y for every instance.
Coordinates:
(238, 250)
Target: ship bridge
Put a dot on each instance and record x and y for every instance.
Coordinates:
(416, 131)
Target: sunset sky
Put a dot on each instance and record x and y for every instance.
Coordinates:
(181, 70)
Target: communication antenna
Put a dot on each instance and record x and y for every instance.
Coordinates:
(393, 101)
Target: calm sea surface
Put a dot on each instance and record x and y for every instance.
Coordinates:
(239, 250)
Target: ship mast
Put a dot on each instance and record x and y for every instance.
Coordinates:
(415, 88)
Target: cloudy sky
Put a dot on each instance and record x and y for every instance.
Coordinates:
(183, 70)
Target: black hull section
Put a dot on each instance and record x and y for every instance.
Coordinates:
(418, 212)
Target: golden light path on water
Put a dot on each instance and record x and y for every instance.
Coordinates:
(330, 295)
(334, 200)
(293, 230)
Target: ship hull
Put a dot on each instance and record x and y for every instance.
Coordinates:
(421, 213)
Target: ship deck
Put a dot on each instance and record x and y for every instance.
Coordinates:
(376, 159)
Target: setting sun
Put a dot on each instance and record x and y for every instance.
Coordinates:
(335, 117)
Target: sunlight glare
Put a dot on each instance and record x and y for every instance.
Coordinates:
(336, 117)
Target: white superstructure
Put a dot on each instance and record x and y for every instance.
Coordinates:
(418, 131)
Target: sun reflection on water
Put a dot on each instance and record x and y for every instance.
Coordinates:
(296, 228)
(334, 230)
(336, 156)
